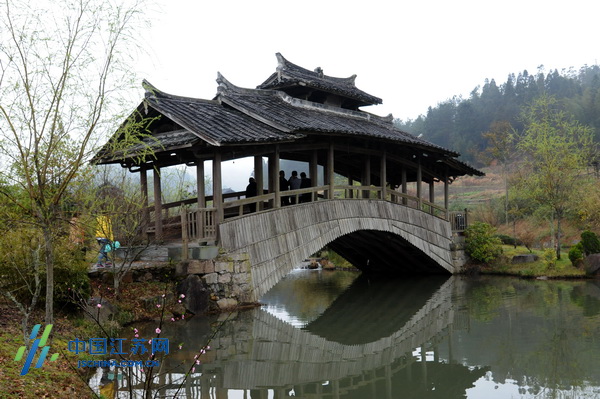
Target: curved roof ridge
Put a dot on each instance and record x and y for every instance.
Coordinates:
(285, 64)
(155, 93)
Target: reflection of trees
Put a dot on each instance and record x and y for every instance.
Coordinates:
(542, 337)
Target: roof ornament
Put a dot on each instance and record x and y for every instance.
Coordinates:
(319, 71)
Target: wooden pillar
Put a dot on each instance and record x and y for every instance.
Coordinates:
(258, 176)
(313, 169)
(200, 184)
(275, 178)
(404, 185)
(330, 170)
(366, 176)
(383, 174)
(144, 187)
(218, 187)
(431, 196)
(350, 193)
(446, 192)
(158, 233)
(431, 191)
(419, 183)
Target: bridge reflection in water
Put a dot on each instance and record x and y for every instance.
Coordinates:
(376, 340)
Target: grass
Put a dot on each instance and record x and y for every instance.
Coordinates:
(54, 379)
(562, 269)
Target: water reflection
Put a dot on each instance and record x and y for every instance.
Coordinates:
(333, 335)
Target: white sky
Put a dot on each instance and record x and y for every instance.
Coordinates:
(412, 54)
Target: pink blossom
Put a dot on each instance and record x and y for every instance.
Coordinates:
(158, 305)
(180, 346)
(157, 330)
(99, 305)
(182, 316)
(193, 369)
(137, 335)
(172, 319)
(197, 361)
(182, 296)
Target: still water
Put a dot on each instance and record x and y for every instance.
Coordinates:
(324, 334)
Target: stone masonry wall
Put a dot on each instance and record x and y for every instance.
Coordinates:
(228, 278)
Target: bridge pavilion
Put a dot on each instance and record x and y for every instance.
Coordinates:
(295, 114)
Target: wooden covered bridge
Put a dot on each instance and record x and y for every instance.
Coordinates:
(371, 188)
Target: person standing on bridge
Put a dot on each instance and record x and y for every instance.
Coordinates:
(294, 185)
(305, 182)
(283, 186)
(251, 191)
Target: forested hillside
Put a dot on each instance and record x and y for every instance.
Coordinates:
(459, 123)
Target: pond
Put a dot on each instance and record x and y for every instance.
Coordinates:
(336, 334)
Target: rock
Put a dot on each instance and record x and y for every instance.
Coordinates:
(196, 297)
(525, 258)
(227, 303)
(313, 264)
(101, 314)
(591, 264)
(327, 265)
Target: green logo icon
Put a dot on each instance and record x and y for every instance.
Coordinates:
(39, 342)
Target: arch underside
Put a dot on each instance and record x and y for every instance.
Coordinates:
(377, 236)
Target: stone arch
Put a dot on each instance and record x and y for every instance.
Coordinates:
(280, 239)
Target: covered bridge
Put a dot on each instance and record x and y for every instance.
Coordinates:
(295, 114)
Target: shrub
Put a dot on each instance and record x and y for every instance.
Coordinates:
(576, 253)
(549, 258)
(590, 242)
(508, 240)
(481, 244)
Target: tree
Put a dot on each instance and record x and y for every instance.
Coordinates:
(556, 151)
(501, 148)
(62, 69)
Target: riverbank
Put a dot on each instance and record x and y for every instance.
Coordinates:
(61, 378)
(539, 268)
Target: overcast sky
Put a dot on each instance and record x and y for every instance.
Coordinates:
(412, 54)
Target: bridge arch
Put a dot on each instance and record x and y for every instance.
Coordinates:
(280, 239)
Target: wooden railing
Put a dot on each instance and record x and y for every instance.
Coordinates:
(200, 225)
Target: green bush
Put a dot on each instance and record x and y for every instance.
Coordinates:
(549, 258)
(590, 242)
(508, 240)
(22, 252)
(481, 244)
(576, 253)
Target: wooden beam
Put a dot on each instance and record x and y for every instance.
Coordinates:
(404, 185)
(217, 186)
(275, 177)
(144, 189)
(200, 186)
(431, 192)
(419, 183)
(313, 170)
(330, 170)
(366, 177)
(383, 174)
(258, 176)
(158, 233)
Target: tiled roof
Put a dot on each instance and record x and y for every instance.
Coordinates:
(289, 74)
(295, 115)
(211, 121)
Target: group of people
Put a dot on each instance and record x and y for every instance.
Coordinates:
(294, 183)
